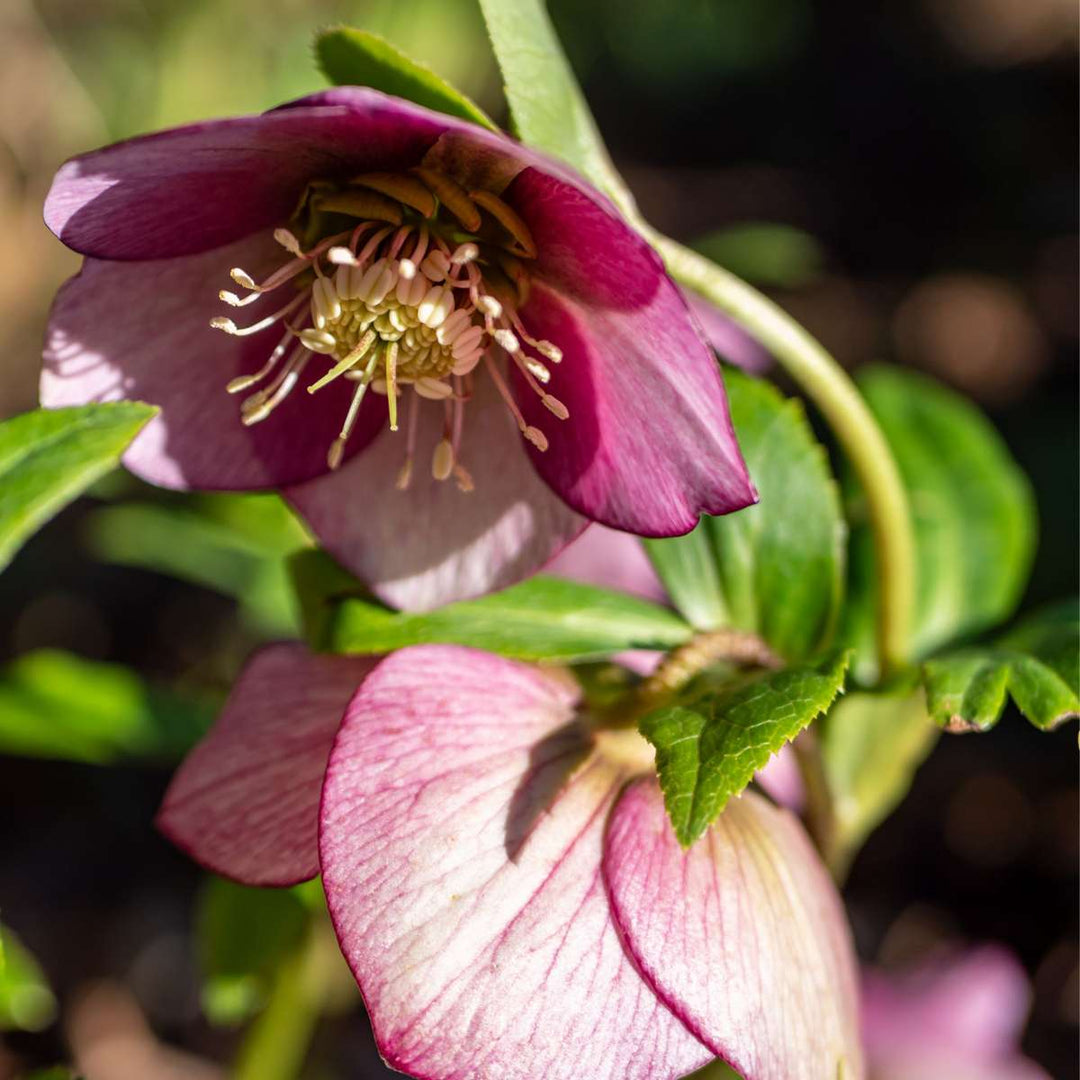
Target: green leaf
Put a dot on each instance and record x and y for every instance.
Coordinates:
(50, 456)
(548, 108)
(56, 705)
(1038, 664)
(871, 745)
(775, 569)
(244, 934)
(709, 752)
(26, 1001)
(765, 253)
(351, 57)
(234, 544)
(540, 619)
(972, 510)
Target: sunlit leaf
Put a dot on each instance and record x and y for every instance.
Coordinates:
(56, 705)
(708, 751)
(351, 57)
(540, 619)
(26, 1001)
(50, 456)
(775, 569)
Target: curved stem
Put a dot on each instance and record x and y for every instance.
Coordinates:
(831, 389)
(820, 813)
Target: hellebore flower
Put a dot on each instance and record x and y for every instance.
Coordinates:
(959, 1017)
(504, 882)
(436, 277)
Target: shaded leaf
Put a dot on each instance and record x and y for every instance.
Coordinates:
(972, 510)
(547, 106)
(1037, 664)
(56, 705)
(765, 253)
(871, 745)
(775, 569)
(26, 1001)
(540, 619)
(709, 751)
(351, 57)
(50, 456)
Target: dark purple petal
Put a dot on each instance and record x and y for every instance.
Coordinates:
(141, 331)
(726, 336)
(461, 843)
(245, 802)
(432, 544)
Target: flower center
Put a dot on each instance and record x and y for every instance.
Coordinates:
(413, 282)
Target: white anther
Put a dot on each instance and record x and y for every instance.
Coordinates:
(435, 307)
(536, 437)
(549, 351)
(342, 278)
(464, 479)
(488, 305)
(537, 370)
(467, 343)
(219, 322)
(335, 454)
(342, 256)
(411, 290)
(325, 305)
(554, 405)
(406, 269)
(442, 461)
(318, 341)
(394, 315)
(288, 241)
(433, 389)
(386, 280)
(233, 300)
(242, 278)
(466, 253)
(507, 340)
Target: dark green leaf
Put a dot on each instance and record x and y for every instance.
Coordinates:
(56, 705)
(709, 752)
(358, 58)
(765, 253)
(972, 509)
(548, 108)
(26, 1001)
(50, 456)
(775, 569)
(244, 934)
(1038, 664)
(871, 745)
(540, 619)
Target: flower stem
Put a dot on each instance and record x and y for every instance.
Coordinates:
(277, 1042)
(820, 812)
(831, 389)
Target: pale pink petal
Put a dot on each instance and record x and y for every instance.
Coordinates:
(967, 1009)
(781, 780)
(743, 936)
(431, 544)
(731, 342)
(245, 802)
(141, 331)
(461, 860)
(611, 559)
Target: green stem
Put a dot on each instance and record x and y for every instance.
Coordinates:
(820, 811)
(831, 389)
(277, 1042)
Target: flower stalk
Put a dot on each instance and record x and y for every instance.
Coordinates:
(831, 389)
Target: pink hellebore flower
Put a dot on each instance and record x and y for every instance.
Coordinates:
(504, 882)
(436, 277)
(958, 1018)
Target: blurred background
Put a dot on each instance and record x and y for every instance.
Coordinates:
(901, 176)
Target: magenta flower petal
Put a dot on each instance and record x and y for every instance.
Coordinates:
(648, 446)
(959, 1016)
(140, 331)
(726, 336)
(611, 559)
(245, 802)
(198, 187)
(428, 545)
(461, 860)
(743, 936)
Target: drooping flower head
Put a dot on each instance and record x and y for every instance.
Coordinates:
(504, 881)
(448, 349)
